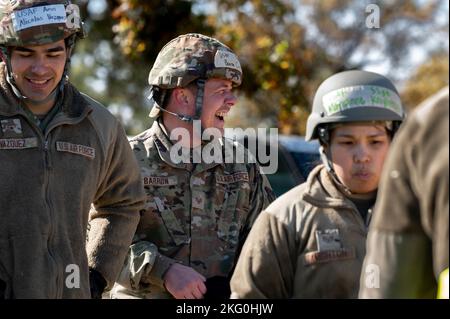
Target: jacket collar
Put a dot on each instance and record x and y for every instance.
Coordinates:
(322, 191)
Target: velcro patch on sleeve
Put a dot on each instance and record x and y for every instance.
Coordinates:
(82, 150)
(317, 257)
(232, 178)
(18, 143)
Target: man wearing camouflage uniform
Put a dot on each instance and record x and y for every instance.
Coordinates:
(407, 246)
(310, 243)
(60, 151)
(198, 213)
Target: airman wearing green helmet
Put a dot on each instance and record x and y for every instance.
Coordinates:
(310, 243)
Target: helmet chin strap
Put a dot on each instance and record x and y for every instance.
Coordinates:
(198, 104)
(28, 100)
(325, 156)
(184, 118)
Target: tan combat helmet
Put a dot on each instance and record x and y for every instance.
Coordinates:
(187, 59)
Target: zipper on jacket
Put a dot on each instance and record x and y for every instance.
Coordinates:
(51, 236)
(369, 217)
(47, 166)
(59, 272)
(47, 155)
(50, 244)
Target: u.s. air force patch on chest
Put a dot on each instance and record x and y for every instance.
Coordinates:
(11, 128)
(77, 149)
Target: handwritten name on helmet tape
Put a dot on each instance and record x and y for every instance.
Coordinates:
(82, 150)
(227, 59)
(39, 16)
(361, 96)
(18, 143)
(66, 17)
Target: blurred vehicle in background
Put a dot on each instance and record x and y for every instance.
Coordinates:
(296, 159)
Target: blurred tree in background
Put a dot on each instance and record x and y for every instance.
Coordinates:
(286, 48)
(429, 77)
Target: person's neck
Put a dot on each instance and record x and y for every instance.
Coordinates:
(171, 123)
(40, 108)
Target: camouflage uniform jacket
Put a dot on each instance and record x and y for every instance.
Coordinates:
(309, 243)
(408, 239)
(195, 215)
(47, 184)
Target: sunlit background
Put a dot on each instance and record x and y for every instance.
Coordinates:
(286, 48)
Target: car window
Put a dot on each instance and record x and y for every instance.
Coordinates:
(305, 161)
(287, 175)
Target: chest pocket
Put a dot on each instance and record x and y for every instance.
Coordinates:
(231, 206)
(329, 248)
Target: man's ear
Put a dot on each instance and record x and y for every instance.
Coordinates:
(182, 96)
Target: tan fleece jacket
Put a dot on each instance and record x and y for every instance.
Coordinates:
(309, 243)
(47, 184)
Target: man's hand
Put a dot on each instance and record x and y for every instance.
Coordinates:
(184, 282)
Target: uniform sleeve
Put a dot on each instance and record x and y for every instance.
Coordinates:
(266, 268)
(408, 217)
(144, 265)
(260, 198)
(118, 201)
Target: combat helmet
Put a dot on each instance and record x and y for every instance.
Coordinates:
(38, 22)
(354, 96)
(191, 58)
